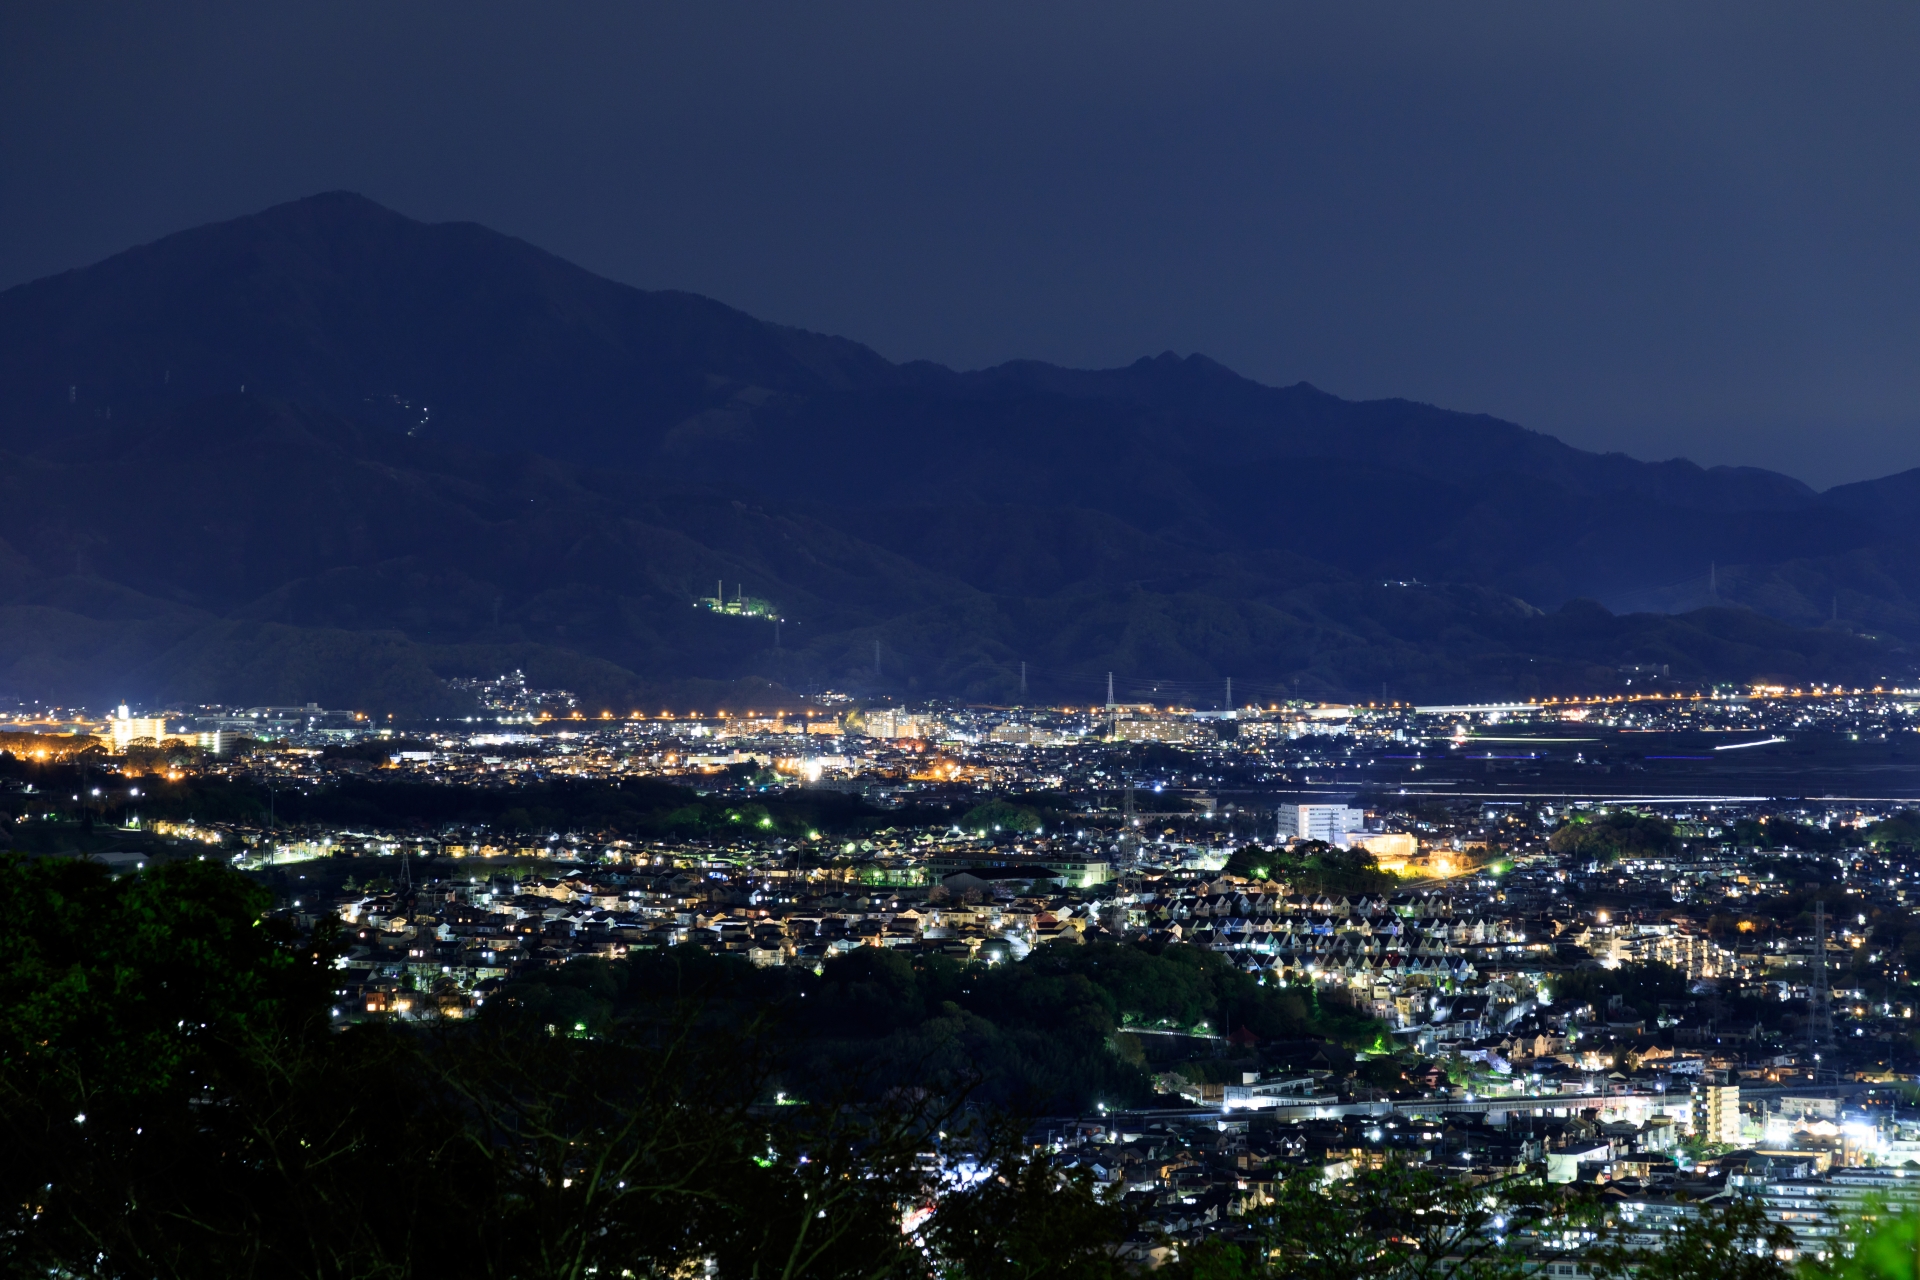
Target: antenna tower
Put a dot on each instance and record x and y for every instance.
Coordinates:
(1023, 682)
(1820, 992)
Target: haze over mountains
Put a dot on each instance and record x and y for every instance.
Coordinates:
(329, 453)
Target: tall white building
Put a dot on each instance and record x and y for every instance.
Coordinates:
(126, 728)
(891, 723)
(1718, 1118)
(1328, 822)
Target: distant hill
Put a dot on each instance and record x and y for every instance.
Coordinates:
(329, 452)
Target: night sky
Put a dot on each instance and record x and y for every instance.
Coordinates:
(1668, 228)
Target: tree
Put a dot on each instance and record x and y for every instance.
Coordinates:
(1883, 1247)
(1777, 832)
(1001, 815)
(1024, 1219)
(166, 1072)
(1732, 1241)
(1612, 836)
(1898, 831)
(1250, 861)
(1312, 865)
(1391, 1223)
(1211, 1259)
(1643, 986)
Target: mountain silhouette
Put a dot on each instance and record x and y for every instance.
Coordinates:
(328, 452)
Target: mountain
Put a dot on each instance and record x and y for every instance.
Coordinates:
(327, 452)
(452, 329)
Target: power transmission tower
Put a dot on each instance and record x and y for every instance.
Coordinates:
(1129, 836)
(1820, 992)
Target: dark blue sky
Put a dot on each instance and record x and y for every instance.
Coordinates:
(1668, 228)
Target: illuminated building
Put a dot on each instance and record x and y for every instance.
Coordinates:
(898, 724)
(1182, 731)
(1328, 822)
(125, 729)
(741, 606)
(1720, 1114)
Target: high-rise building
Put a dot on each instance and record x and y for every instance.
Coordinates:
(1328, 822)
(125, 729)
(898, 724)
(1719, 1114)
(1157, 729)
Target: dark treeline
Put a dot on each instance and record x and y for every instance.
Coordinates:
(1049, 1034)
(86, 787)
(1608, 836)
(1614, 835)
(1640, 987)
(1314, 866)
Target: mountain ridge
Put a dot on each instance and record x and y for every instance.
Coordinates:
(408, 385)
(307, 233)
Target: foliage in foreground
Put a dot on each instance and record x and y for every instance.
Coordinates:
(175, 1104)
